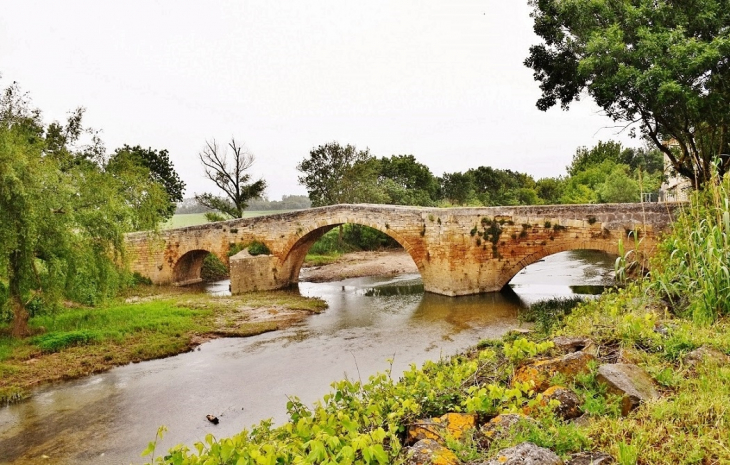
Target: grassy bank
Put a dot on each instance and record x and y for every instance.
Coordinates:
(155, 323)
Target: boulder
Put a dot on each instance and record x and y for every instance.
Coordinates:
(500, 426)
(569, 344)
(570, 403)
(590, 458)
(629, 381)
(705, 353)
(430, 452)
(525, 453)
(539, 373)
(452, 424)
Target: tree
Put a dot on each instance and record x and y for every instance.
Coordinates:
(457, 188)
(159, 169)
(549, 190)
(659, 63)
(407, 182)
(650, 161)
(334, 174)
(62, 217)
(230, 177)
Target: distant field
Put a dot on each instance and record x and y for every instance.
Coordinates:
(192, 219)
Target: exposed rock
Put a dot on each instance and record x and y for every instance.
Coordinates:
(430, 452)
(501, 425)
(540, 373)
(568, 344)
(705, 353)
(452, 424)
(570, 403)
(629, 381)
(590, 458)
(525, 453)
(582, 421)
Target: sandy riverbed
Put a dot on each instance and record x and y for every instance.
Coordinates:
(358, 264)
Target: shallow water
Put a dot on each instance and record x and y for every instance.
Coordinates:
(109, 418)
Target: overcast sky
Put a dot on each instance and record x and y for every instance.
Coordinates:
(441, 80)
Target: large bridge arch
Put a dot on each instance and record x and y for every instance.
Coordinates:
(296, 249)
(511, 272)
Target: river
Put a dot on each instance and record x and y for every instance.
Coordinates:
(110, 417)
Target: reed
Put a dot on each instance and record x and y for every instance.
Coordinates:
(691, 269)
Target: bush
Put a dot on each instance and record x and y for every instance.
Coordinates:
(547, 314)
(54, 342)
(213, 269)
(258, 248)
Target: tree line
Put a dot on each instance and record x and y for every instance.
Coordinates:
(606, 173)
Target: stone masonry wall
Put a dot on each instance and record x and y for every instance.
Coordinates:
(458, 251)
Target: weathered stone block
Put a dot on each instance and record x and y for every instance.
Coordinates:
(629, 381)
(539, 373)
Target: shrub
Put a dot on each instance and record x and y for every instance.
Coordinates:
(213, 269)
(258, 248)
(54, 342)
(547, 314)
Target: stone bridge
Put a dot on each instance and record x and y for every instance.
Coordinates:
(458, 251)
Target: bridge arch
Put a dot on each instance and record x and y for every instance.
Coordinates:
(187, 269)
(507, 275)
(296, 249)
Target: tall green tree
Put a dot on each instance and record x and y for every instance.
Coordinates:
(334, 174)
(660, 63)
(649, 160)
(407, 182)
(62, 216)
(457, 188)
(229, 172)
(159, 168)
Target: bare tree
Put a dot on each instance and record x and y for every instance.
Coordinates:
(230, 176)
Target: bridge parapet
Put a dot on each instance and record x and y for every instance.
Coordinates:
(458, 251)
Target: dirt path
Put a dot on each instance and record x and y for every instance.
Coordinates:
(358, 264)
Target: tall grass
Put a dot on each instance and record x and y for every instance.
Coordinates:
(692, 267)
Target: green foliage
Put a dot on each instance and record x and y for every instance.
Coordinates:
(55, 342)
(213, 269)
(63, 212)
(258, 248)
(661, 64)
(157, 166)
(354, 237)
(692, 267)
(334, 174)
(549, 314)
(407, 182)
(523, 348)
